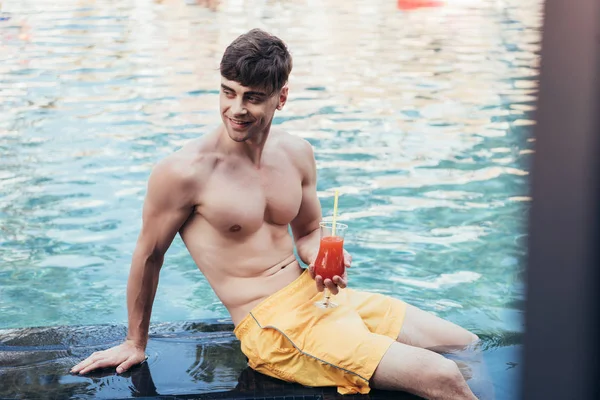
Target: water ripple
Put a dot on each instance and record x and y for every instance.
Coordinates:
(422, 119)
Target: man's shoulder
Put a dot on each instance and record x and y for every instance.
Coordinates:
(188, 163)
(299, 151)
(294, 145)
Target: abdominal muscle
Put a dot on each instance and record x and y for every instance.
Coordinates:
(241, 295)
(243, 270)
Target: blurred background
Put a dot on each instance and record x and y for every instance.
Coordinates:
(420, 112)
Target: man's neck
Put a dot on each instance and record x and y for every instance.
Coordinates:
(251, 148)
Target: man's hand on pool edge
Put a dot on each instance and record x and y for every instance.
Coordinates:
(339, 282)
(123, 356)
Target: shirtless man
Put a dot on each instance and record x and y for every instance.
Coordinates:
(231, 195)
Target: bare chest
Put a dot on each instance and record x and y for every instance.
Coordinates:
(239, 198)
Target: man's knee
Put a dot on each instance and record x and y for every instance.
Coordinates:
(450, 382)
(473, 338)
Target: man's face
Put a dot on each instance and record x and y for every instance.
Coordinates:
(248, 112)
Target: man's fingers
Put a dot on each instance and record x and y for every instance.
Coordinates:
(91, 367)
(75, 369)
(123, 357)
(131, 361)
(123, 367)
(334, 285)
(340, 282)
(88, 361)
(101, 363)
(320, 283)
(347, 259)
(331, 286)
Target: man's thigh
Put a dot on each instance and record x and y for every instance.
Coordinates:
(317, 347)
(425, 330)
(405, 323)
(383, 315)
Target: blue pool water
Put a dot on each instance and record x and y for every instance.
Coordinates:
(422, 119)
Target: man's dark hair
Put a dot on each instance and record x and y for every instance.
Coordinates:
(257, 59)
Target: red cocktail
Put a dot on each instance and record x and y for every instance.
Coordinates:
(330, 259)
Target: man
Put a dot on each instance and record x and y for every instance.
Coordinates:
(231, 195)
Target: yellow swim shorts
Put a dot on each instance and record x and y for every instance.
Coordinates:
(287, 337)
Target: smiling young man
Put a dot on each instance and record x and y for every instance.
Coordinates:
(231, 195)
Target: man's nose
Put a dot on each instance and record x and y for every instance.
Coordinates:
(238, 107)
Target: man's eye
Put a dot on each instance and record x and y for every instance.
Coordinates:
(253, 99)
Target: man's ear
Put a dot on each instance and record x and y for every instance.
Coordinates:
(283, 94)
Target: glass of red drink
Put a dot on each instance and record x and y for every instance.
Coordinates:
(330, 259)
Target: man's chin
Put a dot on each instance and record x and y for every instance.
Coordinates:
(236, 137)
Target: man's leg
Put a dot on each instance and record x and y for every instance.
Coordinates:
(419, 328)
(412, 361)
(422, 372)
(425, 330)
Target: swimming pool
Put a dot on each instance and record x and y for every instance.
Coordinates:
(421, 118)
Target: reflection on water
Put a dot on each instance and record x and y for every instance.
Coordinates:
(189, 357)
(420, 117)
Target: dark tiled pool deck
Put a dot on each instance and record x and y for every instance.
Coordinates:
(192, 360)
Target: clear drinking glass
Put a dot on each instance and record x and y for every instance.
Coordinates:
(330, 259)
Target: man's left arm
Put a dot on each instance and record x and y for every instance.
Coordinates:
(305, 226)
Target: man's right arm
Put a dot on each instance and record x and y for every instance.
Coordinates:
(168, 204)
